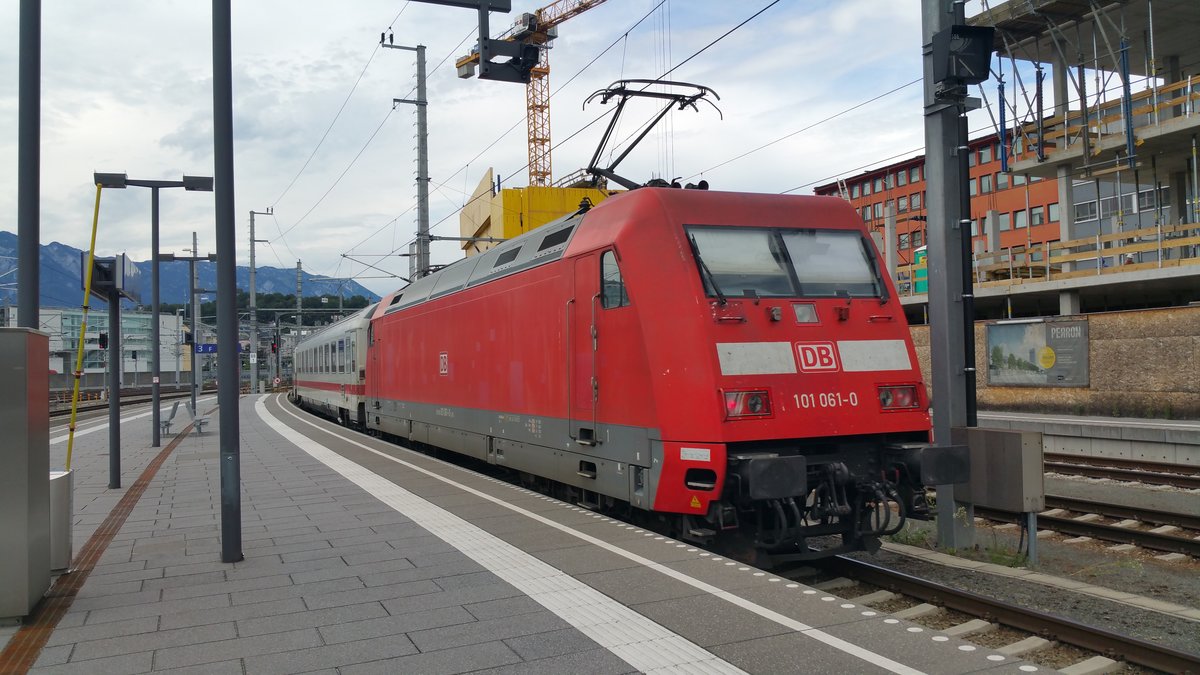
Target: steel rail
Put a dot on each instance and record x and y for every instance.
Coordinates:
(1122, 463)
(1190, 522)
(62, 412)
(1123, 535)
(1062, 629)
(1143, 474)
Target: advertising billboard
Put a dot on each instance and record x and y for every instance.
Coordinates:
(1038, 353)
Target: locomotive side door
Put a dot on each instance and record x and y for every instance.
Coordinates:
(582, 385)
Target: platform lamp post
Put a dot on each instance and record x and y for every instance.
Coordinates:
(191, 184)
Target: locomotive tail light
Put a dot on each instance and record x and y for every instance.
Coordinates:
(901, 397)
(747, 404)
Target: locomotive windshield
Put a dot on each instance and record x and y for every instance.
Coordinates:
(774, 262)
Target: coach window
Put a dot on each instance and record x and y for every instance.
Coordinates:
(612, 284)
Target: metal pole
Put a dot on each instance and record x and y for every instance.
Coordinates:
(945, 244)
(155, 337)
(29, 164)
(299, 308)
(178, 343)
(115, 365)
(253, 316)
(422, 168)
(195, 320)
(227, 329)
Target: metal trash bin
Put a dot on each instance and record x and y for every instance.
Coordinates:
(62, 510)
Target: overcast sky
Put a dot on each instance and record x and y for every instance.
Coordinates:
(127, 87)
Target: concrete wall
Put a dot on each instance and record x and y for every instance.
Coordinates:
(1143, 363)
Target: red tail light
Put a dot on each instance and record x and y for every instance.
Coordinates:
(741, 404)
(903, 397)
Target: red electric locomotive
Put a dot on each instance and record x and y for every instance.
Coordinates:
(736, 365)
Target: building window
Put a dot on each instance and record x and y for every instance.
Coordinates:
(1020, 219)
(985, 184)
(914, 174)
(903, 241)
(973, 187)
(902, 177)
(916, 201)
(1001, 181)
(971, 159)
(890, 181)
(878, 183)
(854, 191)
(1053, 212)
(1085, 211)
(1005, 221)
(974, 227)
(866, 188)
(1037, 215)
(866, 212)
(917, 237)
(985, 154)
(902, 204)
(1018, 180)
(879, 210)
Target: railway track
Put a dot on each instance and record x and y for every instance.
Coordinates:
(1152, 473)
(1124, 533)
(988, 611)
(125, 400)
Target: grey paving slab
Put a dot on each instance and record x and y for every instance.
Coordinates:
(340, 570)
(553, 643)
(582, 559)
(484, 631)
(297, 590)
(791, 653)
(274, 643)
(64, 635)
(590, 662)
(94, 649)
(808, 607)
(457, 597)
(201, 617)
(231, 667)
(101, 589)
(396, 625)
(510, 607)
(638, 585)
(444, 662)
(117, 600)
(330, 656)
(692, 619)
(718, 571)
(313, 618)
(372, 594)
(460, 567)
(53, 656)
(239, 586)
(125, 663)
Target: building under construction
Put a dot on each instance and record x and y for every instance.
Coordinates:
(1084, 197)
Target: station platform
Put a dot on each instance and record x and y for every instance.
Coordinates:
(362, 556)
(1152, 440)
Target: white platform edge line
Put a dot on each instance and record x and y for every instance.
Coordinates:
(821, 636)
(539, 580)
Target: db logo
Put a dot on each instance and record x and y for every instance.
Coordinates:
(815, 356)
(443, 363)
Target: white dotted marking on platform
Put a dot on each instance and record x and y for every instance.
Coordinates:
(793, 585)
(772, 579)
(940, 638)
(760, 574)
(828, 598)
(1028, 669)
(847, 606)
(891, 621)
(870, 613)
(916, 629)
(995, 657)
(810, 592)
(967, 648)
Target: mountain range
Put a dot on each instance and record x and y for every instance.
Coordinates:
(61, 281)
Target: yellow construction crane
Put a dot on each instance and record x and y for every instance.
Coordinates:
(538, 28)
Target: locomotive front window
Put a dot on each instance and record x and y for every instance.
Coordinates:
(742, 261)
(761, 262)
(828, 262)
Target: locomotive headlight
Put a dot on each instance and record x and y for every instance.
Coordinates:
(902, 397)
(739, 404)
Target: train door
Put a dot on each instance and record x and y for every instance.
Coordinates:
(582, 385)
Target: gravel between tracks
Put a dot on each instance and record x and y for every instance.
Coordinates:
(1134, 572)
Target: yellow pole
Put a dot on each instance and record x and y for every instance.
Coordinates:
(87, 297)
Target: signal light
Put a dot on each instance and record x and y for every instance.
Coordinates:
(902, 397)
(104, 341)
(274, 347)
(743, 404)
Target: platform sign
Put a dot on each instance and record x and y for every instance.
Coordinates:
(211, 348)
(1038, 353)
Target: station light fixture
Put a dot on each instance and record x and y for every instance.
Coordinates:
(961, 55)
